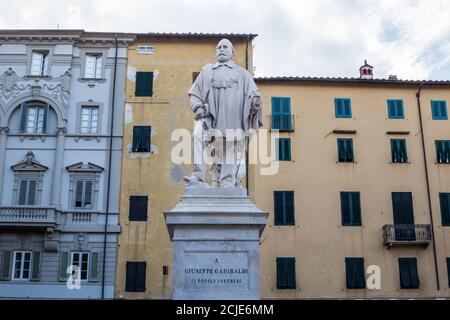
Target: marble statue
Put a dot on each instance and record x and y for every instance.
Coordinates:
(228, 109)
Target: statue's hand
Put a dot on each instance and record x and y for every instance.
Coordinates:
(256, 105)
(200, 113)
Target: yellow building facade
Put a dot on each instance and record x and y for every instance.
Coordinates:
(315, 239)
(173, 60)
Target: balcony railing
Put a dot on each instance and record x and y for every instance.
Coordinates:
(28, 216)
(282, 122)
(407, 234)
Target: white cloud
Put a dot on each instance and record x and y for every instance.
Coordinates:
(410, 38)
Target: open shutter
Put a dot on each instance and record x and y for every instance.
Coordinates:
(23, 117)
(94, 267)
(36, 267)
(44, 124)
(6, 266)
(289, 208)
(63, 265)
(356, 208)
(281, 273)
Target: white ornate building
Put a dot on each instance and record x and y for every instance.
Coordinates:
(61, 115)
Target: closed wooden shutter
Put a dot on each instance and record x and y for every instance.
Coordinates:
(448, 271)
(6, 265)
(138, 208)
(290, 270)
(356, 208)
(281, 274)
(289, 203)
(94, 267)
(63, 265)
(144, 84)
(444, 199)
(136, 276)
(36, 266)
(278, 207)
(345, 208)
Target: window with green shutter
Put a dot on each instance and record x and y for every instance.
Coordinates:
(284, 210)
(409, 276)
(144, 84)
(443, 151)
(286, 273)
(281, 114)
(141, 139)
(6, 265)
(395, 109)
(354, 268)
(284, 149)
(343, 108)
(36, 266)
(351, 209)
(444, 199)
(94, 267)
(138, 208)
(398, 151)
(63, 265)
(345, 150)
(439, 110)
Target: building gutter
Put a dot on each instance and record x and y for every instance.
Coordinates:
(247, 140)
(428, 185)
(111, 134)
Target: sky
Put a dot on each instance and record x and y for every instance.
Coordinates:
(321, 38)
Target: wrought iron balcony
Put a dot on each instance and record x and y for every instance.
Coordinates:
(282, 122)
(28, 216)
(407, 234)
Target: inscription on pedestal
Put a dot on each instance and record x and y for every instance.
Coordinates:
(216, 270)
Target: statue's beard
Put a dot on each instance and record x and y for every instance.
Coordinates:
(223, 57)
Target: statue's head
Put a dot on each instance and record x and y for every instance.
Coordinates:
(224, 50)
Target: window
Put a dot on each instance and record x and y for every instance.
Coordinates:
(135, 278)
(439, 110)
(354, 268)
(21, 265)
(398, 151)
(93, 66)
(83, 194)
(281, 113)
(409, 277)
(445, 208)
(138, 208)
(342, 108)
(443, 151)
(81, 260)
(284, 208)
(286, 273)
(144, 84)
(39, 63)
(345, 150)
(141, 138)
(89, 120)
(36, 117)
(27, 192)
(395, 109)
(351, 209)
(284, 149)
(448, 271)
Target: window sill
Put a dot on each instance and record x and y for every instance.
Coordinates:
(32, 76)
(92, 80)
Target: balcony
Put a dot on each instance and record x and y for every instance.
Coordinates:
(407, 234)
(30, 217)
(282, 122)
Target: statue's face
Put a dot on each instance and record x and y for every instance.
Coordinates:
(224, 51)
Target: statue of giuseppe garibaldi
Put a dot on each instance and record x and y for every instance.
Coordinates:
(225, 100)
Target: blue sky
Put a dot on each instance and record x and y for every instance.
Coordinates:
(329, 38)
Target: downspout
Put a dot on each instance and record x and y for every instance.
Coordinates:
(246, 138)
(428, 187)
(109, 167)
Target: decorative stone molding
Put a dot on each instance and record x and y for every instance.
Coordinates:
(11, 86)
(79, 171)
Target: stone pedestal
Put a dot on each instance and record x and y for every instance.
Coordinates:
(215, 234)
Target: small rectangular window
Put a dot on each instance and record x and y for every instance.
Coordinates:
(39, 63)
(138, 208)
(81, 260)
(144, 84)
(89, 119)
(343, 108)
(286, 273)
(444, 199)
(21, 265)
(409, 277)
(443, 151)
(141, 138)
(355, 273)
(284, 149)
(281, 114)
(93, 66)
(395, 109)
(83, 194)
(439, 110)
(398, 151)
(284, 210)
(345, 150)
(135, 276)
(27, 192)
(351, 209)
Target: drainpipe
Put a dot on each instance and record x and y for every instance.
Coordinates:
(428, 186)
(111, 133)
(246, 138)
